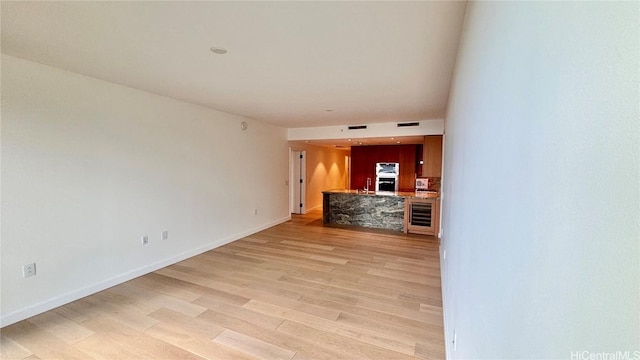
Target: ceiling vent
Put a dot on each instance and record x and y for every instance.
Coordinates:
(408, 124)
(357, 127)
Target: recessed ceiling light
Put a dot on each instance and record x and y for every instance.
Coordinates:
(217, 50)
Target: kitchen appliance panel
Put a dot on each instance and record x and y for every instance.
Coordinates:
(387, 176)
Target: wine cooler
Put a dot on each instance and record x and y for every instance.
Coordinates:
(421, 216)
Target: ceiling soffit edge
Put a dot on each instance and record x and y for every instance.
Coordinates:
(424, 127)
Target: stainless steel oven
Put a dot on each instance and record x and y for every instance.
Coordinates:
(387, 184)
(387, 176)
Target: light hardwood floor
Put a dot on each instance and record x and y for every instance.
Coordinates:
(295, 291)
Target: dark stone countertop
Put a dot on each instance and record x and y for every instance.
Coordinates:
(402, 194)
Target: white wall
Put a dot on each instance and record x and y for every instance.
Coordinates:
(88, 167)
(542, 182)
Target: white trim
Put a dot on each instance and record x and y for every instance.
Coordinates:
(447, 348)
(298, 181)
(291, 181)
(303, 177)
(32, 310)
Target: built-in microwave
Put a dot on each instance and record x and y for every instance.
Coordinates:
(387, 169)
(422, 184)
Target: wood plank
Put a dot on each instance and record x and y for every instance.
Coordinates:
(103, 348)
(122, 309)
(168, 286)
(192, 334)
(182, 289)
(41, 343)
(304, 347)
(307, 245)
(158, 299)
(354, 332)
(349, 347)
(298, 290)
(406, 324)
(257, 319)
(194, 326)
(253, 346)
(329, 259)
(10, 349)
(67, 330)
(431, 350)
(79, 310)
(129, 340)
(411, 276)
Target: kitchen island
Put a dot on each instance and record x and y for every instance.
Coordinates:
(379, 210)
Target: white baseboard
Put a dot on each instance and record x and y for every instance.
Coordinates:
(447, 349)
(35, 309)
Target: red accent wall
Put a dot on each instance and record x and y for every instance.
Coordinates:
(364, 159)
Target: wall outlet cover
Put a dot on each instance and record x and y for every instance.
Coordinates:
(455, 341)
(28, 270)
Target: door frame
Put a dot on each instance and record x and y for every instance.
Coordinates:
(298, 181)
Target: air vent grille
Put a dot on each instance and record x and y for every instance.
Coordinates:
(408, 124)
(357, 127)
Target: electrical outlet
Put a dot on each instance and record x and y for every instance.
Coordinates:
(455, 340)
(145, 240)
(164, 235)
(28, 270)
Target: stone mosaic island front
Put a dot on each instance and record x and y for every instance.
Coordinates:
(381, 210)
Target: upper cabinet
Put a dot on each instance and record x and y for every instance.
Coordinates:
(432, 157)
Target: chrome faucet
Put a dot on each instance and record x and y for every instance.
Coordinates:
(368, 184)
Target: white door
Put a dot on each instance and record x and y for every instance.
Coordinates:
(298, 181)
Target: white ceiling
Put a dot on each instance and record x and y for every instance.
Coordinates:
(287, 62)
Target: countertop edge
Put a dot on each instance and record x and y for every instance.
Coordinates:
(429, 195)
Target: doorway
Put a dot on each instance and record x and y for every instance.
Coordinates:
(347, 172)
(298, 181)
